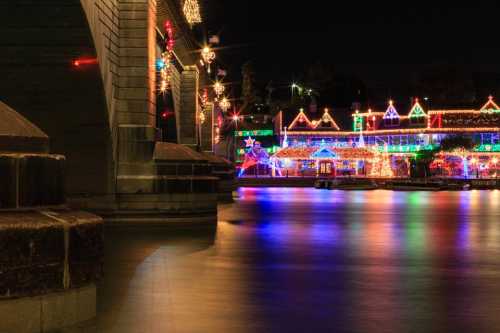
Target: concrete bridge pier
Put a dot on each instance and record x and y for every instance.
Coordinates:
(102, 116)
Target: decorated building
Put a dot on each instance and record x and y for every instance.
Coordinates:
(382, 143)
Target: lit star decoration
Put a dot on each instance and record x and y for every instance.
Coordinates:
(165, 63)
(191, 11)
(249, 142)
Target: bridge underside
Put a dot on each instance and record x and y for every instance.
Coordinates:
(102, 115)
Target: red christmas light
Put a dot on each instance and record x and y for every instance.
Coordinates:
(167, 57)
(169, 30)
(84, 61)
(166, 114)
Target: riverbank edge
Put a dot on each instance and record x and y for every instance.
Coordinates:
(480, 184)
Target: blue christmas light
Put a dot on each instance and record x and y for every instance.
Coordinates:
(160, 64)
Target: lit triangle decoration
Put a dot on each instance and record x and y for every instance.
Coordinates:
(417, 111)
(391, 112)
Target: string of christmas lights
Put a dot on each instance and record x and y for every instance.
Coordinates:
(417, 111)
(218, 88)
(165, 63)
(224, 104)
(302, 120)
(207, 57)
(191, 11)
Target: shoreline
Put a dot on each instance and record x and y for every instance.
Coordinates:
(476, 184)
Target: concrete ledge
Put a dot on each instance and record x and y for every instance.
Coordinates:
(47, 251)
(157, 220)
(49, 312)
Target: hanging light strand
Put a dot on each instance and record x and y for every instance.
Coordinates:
(224, 104)
(165, 63)
(208, 56)
(191, 11)
(219, 88)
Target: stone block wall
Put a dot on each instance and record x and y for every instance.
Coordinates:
(207, 129)
(187, 113)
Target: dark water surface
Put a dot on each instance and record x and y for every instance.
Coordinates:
(305, 260)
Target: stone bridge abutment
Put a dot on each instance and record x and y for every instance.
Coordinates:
(102, 115)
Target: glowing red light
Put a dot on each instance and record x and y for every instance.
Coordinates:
(169, 29)
(166, 114)
(84, 61)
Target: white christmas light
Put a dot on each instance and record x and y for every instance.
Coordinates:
(191, 11)
(219, 88)
(224, 104)
(208, 56)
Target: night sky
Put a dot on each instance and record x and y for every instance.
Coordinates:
(384, 46)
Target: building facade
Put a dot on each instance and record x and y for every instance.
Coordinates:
(383, 144)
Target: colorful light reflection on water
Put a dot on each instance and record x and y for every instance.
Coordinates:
(378, 260)
(306, 260)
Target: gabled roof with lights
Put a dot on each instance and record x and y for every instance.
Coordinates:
(301, 122)
(326, 122)
(391, 111)
(417, 110)
(486, 119)
(487, 116)
(490, 106)
(307, 153)
(323, 152)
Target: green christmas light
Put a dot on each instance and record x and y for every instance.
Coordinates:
(358, 123)
(488, 148)
(254, 133)
(416, 111)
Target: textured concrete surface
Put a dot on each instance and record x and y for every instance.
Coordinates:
(47, 251)
(48, 313)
